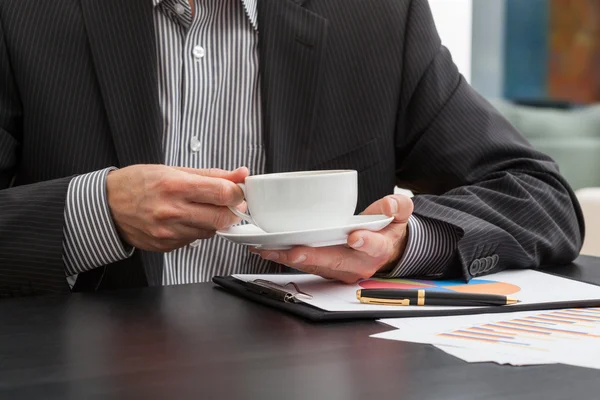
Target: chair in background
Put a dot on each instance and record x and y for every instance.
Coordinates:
(570, 136)
(589, 198)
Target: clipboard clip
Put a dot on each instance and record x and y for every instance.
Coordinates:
(288, 293)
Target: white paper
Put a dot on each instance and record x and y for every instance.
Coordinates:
(570, 336)
(529, 287)
(470, 356)
(432, 324)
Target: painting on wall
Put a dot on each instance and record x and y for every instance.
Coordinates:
(574, 51)
(526, 49)
(552, 50)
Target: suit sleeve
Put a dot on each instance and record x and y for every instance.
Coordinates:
(471, 169)
(31, 216)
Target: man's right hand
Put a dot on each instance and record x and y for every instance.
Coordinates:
(161, 208)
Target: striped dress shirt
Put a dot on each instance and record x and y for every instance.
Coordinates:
(209, 95)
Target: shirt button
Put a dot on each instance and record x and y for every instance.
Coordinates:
(198, 52)
(179, 9)
(195, 144)
(195, 243)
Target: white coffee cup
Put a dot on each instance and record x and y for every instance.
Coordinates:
(297, 201)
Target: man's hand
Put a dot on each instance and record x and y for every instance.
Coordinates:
(367, 252)
(160, 208)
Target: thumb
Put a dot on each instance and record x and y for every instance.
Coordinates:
(237, 176)
(398, 206)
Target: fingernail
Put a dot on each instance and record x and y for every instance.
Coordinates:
(242, 207)
(359, 243)
(272, 256)
(300, 259)
(393, 205)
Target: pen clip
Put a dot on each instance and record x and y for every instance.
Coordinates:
(385, 302)
(281, 292)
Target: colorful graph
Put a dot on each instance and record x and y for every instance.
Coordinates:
(474, 286)
(536, 332)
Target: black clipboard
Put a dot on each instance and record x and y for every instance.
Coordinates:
(314, 314)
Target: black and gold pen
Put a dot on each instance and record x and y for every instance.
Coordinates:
(403, 297)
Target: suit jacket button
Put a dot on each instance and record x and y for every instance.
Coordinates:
(495, 258)
(484, 265)
(489, 264)
(474, 267)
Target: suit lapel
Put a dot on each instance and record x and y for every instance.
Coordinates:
(121, 34)
(292, 45)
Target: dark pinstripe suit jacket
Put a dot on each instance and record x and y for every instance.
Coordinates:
(346, 84)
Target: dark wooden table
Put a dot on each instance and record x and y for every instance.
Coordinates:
(197, 341)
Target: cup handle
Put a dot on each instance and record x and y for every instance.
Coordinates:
(237, 212)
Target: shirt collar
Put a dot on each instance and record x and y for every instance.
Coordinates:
(249, 6)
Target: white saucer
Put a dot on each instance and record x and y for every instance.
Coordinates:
(251, 235)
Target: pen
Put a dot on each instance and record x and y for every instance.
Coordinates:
(402, 297)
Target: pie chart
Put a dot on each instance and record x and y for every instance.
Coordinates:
(480, 286)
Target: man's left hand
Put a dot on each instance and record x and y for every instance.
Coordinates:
(366, 252)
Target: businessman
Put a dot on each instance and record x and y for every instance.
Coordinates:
(124, 124)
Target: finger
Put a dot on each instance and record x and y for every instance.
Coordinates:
(242, 207)
(342, 276)
(336, 262)
(215, 191)
(334, 258)
(373, 244)
(188, 234)
(398, 206)
(167, 245)
(236, 176)
(208, 217)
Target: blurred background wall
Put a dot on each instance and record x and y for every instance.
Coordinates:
(454, 21)
(487, 63)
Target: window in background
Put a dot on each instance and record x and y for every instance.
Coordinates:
(453, 19)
